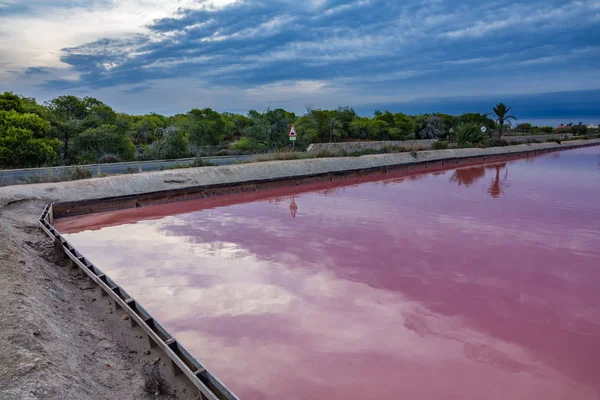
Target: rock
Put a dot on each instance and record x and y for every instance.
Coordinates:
(147, 352)
(125, 317)
(36, 333)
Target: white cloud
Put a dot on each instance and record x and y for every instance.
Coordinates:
(43, 33)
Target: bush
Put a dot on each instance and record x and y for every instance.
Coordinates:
(579, 130)
(109, 158)
(439, 145)
(468, 134)
(248, 144)
(498, 143)
(81, 173)
(200, 162)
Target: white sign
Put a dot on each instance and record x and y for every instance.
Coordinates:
(483, 129)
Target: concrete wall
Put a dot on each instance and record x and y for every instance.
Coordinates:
(541, 138)
(350, 147)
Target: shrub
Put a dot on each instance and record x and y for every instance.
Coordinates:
(468, 134)
(248, 144)
(579, 130)
(200, 162)
(109, 158)
(81, 173)
(439, 145)
(498, 143)
(326, 154)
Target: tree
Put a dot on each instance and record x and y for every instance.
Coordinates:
(11, 102)
(23, 136)
(501, 113)
(270, 128)
(579, 130)
(171, 143)
(478, 119)
(434, 127)
(94, 144)
(525, 127)
(359, 128)
(67, 115)
(468, 134)
(207, 127)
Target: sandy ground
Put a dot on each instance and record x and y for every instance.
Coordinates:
(59, 339)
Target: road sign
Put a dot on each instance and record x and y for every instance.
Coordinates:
(293, 138)
(483, 129)
(292, 133)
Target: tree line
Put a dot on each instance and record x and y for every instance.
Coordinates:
(72, 130)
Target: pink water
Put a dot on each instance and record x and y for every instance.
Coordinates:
(477, 283)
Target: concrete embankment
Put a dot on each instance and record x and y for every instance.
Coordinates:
(350, 147)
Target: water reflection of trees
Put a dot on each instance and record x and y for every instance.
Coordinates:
(468, 176)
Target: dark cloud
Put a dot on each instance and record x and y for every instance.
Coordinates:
(377, 45)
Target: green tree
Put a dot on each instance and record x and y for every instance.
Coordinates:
(478, 119)
(270, 128)
(171, 143)
(97, 144)
(579, 130)
(11, 102)
(207, 127)
(23, 136)
(67, 115)
(502, 117)
(359, 128)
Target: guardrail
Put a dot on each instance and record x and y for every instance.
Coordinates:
(181, 360)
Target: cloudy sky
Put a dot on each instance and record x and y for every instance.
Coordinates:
(413, 56)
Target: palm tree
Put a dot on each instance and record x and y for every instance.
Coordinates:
(501, 113)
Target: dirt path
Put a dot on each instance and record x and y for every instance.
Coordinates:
(58, 338)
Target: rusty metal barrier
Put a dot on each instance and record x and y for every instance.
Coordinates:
(181, 360)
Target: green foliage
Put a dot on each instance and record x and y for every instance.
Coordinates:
(270, 128)
(579, 130)
(23, 141)
(207, 127)
(439, 145)
(478, 119)
(81, 173)
(89, 130)
(93, 144)
(19, 148)
(468, 134)
(248, 144)
(502, 117)
(497, 143)
(11, 102)
(171, 144)
(525, 126)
